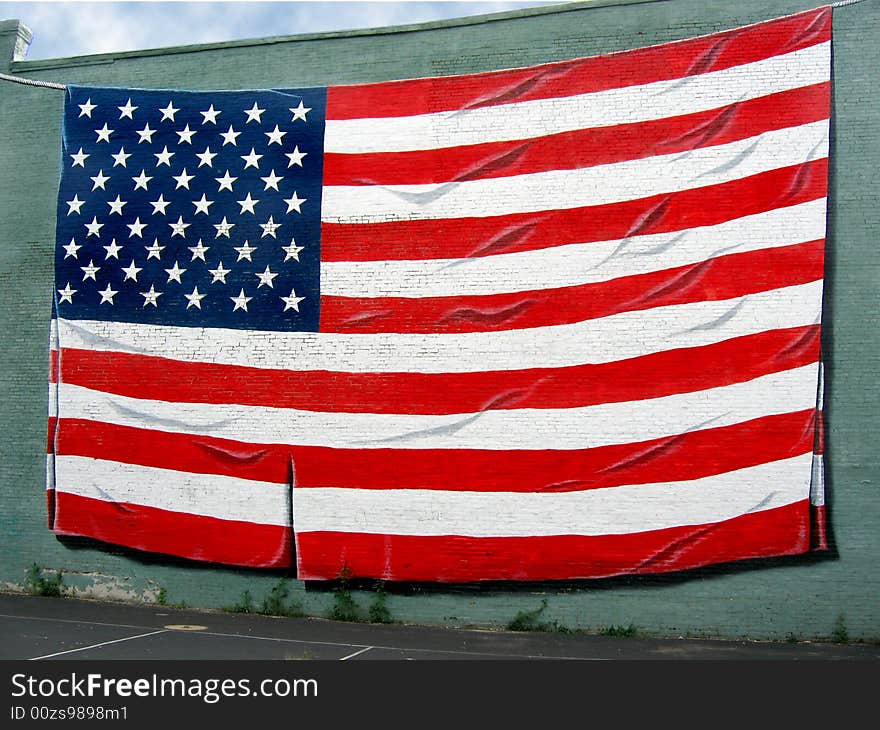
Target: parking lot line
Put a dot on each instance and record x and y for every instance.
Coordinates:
(95, 646)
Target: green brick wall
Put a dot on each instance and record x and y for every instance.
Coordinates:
(770, 599)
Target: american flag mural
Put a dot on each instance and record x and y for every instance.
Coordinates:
(554, 322)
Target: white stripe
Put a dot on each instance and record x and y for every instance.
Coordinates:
(52, 403)
(208, 495)
(562, 189)
(525, 428)
(817, 484)
(608, 339)
(50, 470)
(529, 119)
(612, 511)
(576, 263)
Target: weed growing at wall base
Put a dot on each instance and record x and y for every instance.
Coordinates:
(245, 604)
(378, 611)
(619, 631)
(345, 608)
(528, 621)
(275, 602)
(37, 584)
(839, 635)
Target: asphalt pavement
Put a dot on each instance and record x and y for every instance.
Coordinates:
(38, 628)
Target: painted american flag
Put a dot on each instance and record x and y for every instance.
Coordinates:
(545, 323)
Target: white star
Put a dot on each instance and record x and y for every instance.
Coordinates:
(131, 272)
(164, 157)
(90, 270)
(94, 227)
(117, 205)
(155, 250)
(248, 204)
(195, 299)
(223, 228)
(136, 228)
(174, 273)
(210, 115)
(86, 109)
(99, 180)
(265, 278)
(202, 205)
(168, 112)
(206, 157)
(75, 205)
(151, 297)
(79, 158)
(127, 111)
(269, 227)
(275, 135)
(226, 182)
(295, 157)
(66, 293)
(183, 179)
(198, 251)
(160, 204)
(103, 133)
(185, 135)
(244, 252)
(251, 160)
(146, 134)
(291, 251)
(294, 203)
(229, 137)
(179, 228)
(112, 250)
(108, 293)
(120, 157)
(291, 302)
(219, 273)
(254, 114)
(71, 248)
(240, 301)
(141, 180)
(272, 181)
(300, 112)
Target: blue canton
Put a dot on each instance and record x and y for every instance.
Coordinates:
(186, 208)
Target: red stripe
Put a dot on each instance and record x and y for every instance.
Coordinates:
(324, 555)
(580, 76)
(650, 376)
(50, 508)
(174, 533)
(583, 148)
(818, 528)
(820, 434)
(456, 238)
(175, 451)
(683, 457)
(724, 277)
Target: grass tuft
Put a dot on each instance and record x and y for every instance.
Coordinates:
(38, 584)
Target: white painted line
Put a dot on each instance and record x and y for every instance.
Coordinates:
(73, 621)
(95, 646)
(356, 653)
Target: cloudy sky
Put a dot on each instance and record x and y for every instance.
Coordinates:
(77, 28)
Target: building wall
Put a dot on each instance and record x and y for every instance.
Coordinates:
(805, 597)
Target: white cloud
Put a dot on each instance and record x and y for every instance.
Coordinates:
(81, 28)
